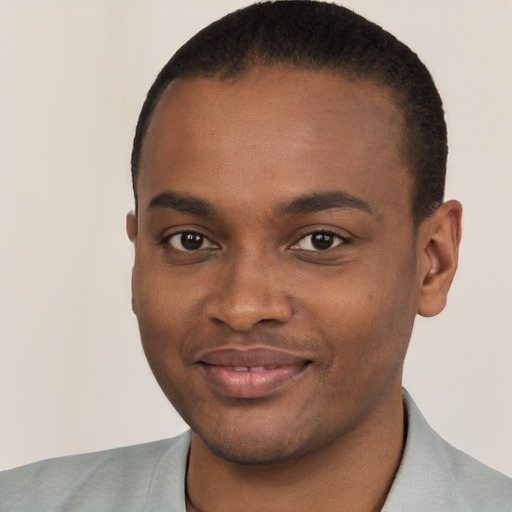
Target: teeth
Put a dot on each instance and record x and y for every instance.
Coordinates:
(252, 368)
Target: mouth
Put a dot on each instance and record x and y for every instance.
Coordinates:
(251, 373)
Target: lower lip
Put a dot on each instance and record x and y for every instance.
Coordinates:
(251, 384)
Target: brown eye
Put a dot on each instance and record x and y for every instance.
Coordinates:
(190, 241)
(319, 241)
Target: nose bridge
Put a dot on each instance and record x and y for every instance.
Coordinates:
(251, 291)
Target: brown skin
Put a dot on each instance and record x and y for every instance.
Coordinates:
(332, 438)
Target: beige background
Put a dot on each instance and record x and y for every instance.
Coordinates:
(73, 76)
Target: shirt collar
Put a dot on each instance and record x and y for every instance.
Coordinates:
(424, 479)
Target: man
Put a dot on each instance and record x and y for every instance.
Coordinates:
(288, 170)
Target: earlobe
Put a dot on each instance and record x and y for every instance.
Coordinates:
(131, 226)
(438, 239)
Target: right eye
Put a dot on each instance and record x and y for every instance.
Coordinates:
(190, 241)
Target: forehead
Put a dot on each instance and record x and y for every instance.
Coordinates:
(304, 129)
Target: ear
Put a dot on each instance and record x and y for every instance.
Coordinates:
(131, 226)
(131, 231)
(438, 256)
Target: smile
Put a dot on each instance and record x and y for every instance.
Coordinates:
(250, 373)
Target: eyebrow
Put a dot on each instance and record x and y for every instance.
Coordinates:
(181, 203)
(309, 203)
(320, 201)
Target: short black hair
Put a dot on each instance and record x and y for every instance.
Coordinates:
(315, 35)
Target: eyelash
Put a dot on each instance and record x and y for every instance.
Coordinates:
(295, 246)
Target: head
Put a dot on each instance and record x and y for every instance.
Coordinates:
(288, 167)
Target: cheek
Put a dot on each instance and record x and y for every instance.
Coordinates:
(368, 315)
(167, 317)
(160, 315)
(163, 305)
(161, 295)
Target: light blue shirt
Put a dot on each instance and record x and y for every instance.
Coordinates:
(433, 477)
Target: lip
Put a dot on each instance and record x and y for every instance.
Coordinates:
(250, 372)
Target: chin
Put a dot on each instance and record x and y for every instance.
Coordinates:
(249, 455)
(259, 445)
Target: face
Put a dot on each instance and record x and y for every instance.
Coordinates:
(275, 279)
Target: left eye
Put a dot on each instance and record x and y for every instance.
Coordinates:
(189, 241)
(319, 241)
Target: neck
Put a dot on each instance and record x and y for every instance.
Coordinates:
(354, 473)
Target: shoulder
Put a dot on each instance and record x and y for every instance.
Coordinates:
(92, 481)
(475, 485)
(435, 476)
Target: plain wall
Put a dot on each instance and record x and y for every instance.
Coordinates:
(73, 76)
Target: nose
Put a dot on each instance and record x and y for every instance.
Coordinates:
(250, 293)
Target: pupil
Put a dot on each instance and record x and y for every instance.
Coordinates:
(191, 241)
(322, 241)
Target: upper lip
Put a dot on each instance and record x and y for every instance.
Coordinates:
(250, 357)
